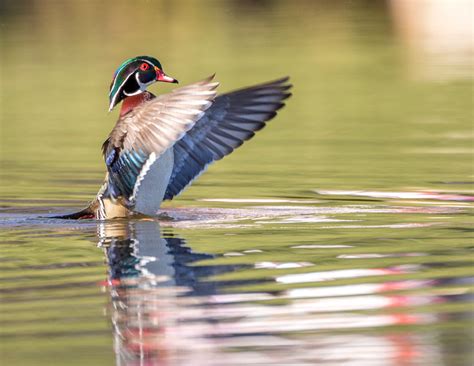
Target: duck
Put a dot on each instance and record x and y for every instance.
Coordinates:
(161, 144)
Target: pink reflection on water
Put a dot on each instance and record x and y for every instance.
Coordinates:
(430, 195)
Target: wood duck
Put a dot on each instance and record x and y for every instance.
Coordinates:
(160, 144)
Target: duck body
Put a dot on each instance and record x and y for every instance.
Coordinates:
(150, 190)
(159, 145)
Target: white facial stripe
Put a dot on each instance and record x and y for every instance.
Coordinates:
(112, 102)
(143, 85)
(119, 70)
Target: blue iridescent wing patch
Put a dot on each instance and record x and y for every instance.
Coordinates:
(124, 168)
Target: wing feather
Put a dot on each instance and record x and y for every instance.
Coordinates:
(232, 119)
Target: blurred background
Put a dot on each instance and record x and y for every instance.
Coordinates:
(381, 115)
(383, 89)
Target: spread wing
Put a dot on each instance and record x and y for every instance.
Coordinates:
(144, 134)
(232, 119)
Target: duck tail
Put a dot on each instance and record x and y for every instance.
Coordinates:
(95, 209)
(101, 208)
(86, 213)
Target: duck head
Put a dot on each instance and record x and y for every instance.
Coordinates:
(134, 76)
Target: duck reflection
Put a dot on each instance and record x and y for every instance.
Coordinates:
(148, 275)
(165, 311)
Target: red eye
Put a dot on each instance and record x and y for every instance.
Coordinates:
(144, 66)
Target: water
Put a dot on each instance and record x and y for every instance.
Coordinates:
(340, 235)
